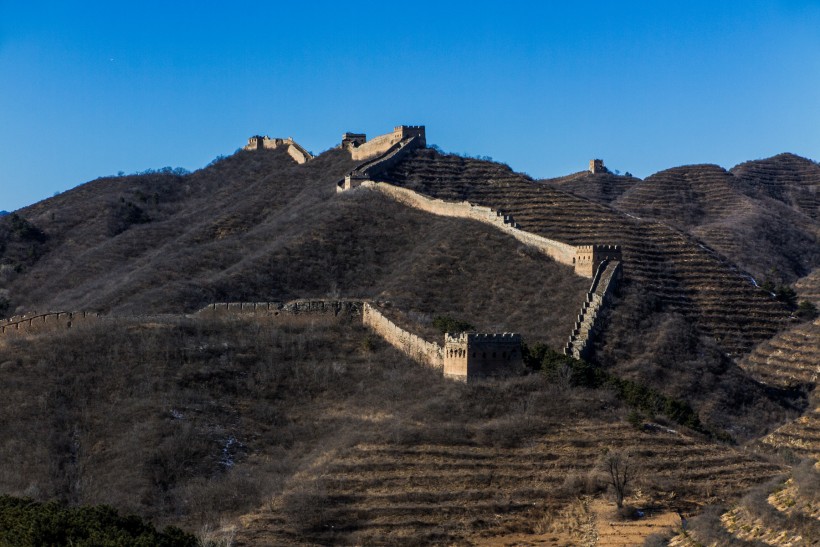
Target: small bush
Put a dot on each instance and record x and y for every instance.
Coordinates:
(446, 323)
(806, 310)
(24, 522)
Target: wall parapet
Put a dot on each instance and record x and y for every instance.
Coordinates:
(295, 150)
(417, 348)
(44, 322)
(362, 149)
(558, 251)
(587, 325)
(293, 307)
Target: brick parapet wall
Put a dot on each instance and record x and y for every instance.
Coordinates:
(417, 348)
(558, 251)
(294, 307)
(46, 322)
(587, 324)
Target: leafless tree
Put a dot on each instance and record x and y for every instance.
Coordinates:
(620, 468)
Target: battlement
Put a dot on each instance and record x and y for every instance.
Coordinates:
(258, 142)
(469, 355)
(589, 257)
(299, 154)
(467, 337)
(407, 131)
(353, 140)
(362, 149)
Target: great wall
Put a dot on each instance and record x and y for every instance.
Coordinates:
(297, 152)
(464, 356)
(600, 262)
(45, 322)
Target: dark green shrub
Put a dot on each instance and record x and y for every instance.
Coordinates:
(25, 522)
(445, 323)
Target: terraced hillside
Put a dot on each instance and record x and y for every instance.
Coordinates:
(762, 214)
(685, 277)
(258, 227)
(800, 437)
(459, 492)
(790, 358)
(600, 187)
(787, 178)
(783, 513)
(808, 288)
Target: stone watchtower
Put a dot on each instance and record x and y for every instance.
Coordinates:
(257, 142)
(406, 131)
(589, 257)
(597, 166)
(353, 140)
(469, 355)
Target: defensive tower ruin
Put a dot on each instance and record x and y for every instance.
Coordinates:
(597, 166)
(469, 355)
(589, 257)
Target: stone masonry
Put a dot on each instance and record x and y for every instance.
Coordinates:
(469, 355)
(597, 166)
(297, 152)
(360, 150)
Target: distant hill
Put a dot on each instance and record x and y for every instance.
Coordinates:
(4, 213)
(762, 215)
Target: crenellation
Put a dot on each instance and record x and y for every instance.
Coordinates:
(471, 355)
(295, 151)
(362, 149)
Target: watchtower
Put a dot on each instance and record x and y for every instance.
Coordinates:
(597, 166)
(406, 131)
(353, 140)
(255, 143)
(589, 257)
(470, 355)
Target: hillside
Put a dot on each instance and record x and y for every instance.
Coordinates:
(319, 433)
(683, 307)
(258, 227)
(600, 187)
(762, 215)
(293, 429)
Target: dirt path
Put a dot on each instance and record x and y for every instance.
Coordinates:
(612, 531)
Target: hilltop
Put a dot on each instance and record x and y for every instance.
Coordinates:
(315, 419)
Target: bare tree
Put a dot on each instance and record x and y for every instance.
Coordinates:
(620, 468)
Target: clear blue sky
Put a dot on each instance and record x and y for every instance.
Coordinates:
(92, 88)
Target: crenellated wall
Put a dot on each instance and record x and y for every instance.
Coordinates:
(379, 145)
(46, 322)
(297, 152)
(294, 307)
(560, 252)
(470, 355)
(587, 324)
(417, 348)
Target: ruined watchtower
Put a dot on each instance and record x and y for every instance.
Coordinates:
(589, 257)
(469, 355)
(597, 166)
(353, 140)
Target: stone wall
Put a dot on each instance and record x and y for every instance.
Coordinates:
(297, 152)
(473, 355)
(560, 252)
(589, 257)
(417, 348)
(46, 322)
(587, 324)
(382, 143)
(294, 307)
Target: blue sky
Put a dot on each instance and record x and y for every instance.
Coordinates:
(93, 88)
